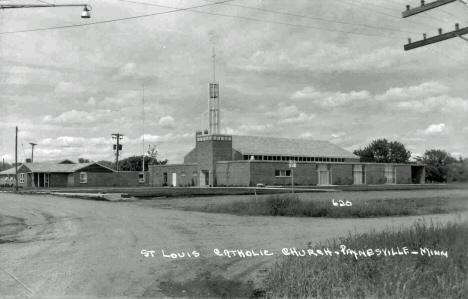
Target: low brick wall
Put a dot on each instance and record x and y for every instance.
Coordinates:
(184, 175)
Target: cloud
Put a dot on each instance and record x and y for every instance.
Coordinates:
(67, 141)
(307, 135)
(439, 129)
(445, 104)
(338, 135)
(167, 122)
(91, 102)
(69, 87)
(323, 57)
(330, 99)
(410, 92)
(232, 131)
(284, 111)
(256, 128)
(301, 118)
(78, 117)
(125, 71)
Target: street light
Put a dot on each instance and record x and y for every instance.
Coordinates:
(85, 14)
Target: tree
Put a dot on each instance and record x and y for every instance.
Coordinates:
(134, 163)
(83, 160)
(382, 151)
(458, 172)
(153, 153)
(438, 163)
(6, 166)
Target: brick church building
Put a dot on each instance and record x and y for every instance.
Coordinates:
(231, 160)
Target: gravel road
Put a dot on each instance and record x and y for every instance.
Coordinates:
(77, 247)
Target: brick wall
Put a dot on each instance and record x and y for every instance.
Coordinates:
(58, 180)
(403, 174)
(191, 157)
(205, 155)
(108, 179)
(156, 174)
(264, 172)
(341, 174)
(233, 173)
(375, 174)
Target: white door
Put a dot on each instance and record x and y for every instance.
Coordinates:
(357, 174)
(323, 174)
(390, 174)
(174, 179)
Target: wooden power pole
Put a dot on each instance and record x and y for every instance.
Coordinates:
(117, 148)
(458, 32)
(16, 159)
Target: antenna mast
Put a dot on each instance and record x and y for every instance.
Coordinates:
(214, 64)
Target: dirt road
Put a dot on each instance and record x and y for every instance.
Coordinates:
(81, 247)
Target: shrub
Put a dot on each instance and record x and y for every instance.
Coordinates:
(382, 181)
(164, 184)
(193, 182)
(348, 181)
(281, 205)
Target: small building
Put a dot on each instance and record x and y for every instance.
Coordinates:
(65, 173)
(230, 160)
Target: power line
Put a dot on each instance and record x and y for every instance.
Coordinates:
(426, 15)
(381, 12)
(271, 22)
(400, 3)
(315, 18)
(190, 9)
(444, 55)
(115, 20)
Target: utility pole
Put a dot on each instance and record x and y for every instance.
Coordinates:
(117, 148)
(32, 152)
(16, 158)
(143, 162)
(458, 32)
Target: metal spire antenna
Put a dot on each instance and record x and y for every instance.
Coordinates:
(214, 64)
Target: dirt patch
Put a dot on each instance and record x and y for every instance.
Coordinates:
(207, 286)
(10, 227)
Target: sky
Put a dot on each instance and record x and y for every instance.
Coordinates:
(331, 70)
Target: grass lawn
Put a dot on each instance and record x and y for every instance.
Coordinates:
(293, 205)
(354, 275)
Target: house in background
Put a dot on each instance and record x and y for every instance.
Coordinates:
(7, 177)
(65, 173)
